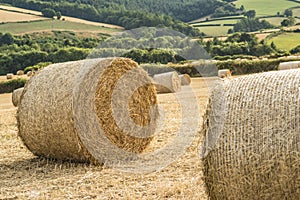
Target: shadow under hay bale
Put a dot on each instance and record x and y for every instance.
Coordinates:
(185, 79)
(16, 96)
(66, 110)
(167, 82)
(251, 148)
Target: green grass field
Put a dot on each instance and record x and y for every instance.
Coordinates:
(266, 7)
(286, 41)
(296, 12)
(229, 21)
(277, 20)
(215, 30)
(46, 25)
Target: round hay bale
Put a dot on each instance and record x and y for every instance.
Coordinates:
(16, 96)
(66, 110)
(167, 82)
(9, 76)
(289, 65)
(185, 79)
(252, 138)
(20, 72)
(224, 73)
(30, 73)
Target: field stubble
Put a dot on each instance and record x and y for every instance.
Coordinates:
(26, 176)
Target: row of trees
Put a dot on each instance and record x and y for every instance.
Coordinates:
(116, 13)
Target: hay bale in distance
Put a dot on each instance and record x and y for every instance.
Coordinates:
(252, 138)
(16, 96)
(185, 79)
(20, 72)
(9, 76)
(224, 73)
(51, 117)
(30, 73)
(167, 82)
(289, 65)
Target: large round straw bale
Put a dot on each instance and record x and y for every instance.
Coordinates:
(66, 102)
(252, 138)
(16, 96)
(20, 72)
(167, 82)
(224, 73)
(30, 73)
(9, 76)
(289, 65)
(185, 79)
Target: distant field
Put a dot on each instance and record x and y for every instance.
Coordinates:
(266, 7)
(277, 20)
(228, 21)
(48, 25)
(215, 30)
(71, 19)
(296, 12)
(286, 41)
(7, 16)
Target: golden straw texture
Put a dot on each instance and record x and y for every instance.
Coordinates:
(252, 141)
(51, 124)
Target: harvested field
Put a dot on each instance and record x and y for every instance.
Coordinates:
(7, 16)
(25, 176)
(70, 19)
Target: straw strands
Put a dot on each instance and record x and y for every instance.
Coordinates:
(53, 122)
(252, 138)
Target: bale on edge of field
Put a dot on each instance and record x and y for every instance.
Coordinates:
(224, 73)
(9, 76)
(16, 96)
(20, 72)
(66, 110)
(185, 79)
(289, 65)
(167, 82)
(251, 146)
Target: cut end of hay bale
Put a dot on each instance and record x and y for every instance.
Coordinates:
(185, 79)
(140, 104)
(167, 82)
(252, 141)
(70, 116)
(16, 96)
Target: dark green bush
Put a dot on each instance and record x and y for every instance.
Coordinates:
(11, 85)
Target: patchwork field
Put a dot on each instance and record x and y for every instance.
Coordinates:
(215, 30)
(266, 7)
(26, 176)
(70, 19)
(49, 25)
(7, 16)
(286, 41)
(277, 20)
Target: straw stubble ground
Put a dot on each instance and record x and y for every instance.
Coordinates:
(23, 175)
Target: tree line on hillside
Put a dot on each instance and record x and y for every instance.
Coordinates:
(186, 10)
(129, 19)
